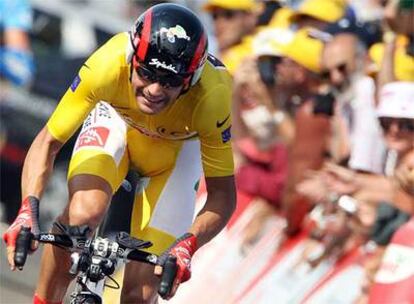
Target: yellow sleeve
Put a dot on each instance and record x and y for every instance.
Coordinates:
(212, 119)
(73, 108)
(95, 81)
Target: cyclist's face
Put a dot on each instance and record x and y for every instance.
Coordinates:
(151, 96)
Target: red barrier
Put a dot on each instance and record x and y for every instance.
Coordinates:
(266, 272)
(347, 266)
(394, 280)
(277, 257)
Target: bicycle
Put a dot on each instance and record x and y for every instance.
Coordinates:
(94, 259)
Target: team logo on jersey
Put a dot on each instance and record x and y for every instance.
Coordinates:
(219, 124)
(75, 83)
(226, 135)
(93, 137)
(173, 32)
(161, 64)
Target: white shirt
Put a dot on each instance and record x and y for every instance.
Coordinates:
(367, 143)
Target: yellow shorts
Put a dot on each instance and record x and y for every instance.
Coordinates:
(108, 148)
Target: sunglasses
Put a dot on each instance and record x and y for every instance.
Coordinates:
(226, 14)
(165, 80)
(341, 68)
(404, 124)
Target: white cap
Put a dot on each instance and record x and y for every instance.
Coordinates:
(397, 100)
(271, 41)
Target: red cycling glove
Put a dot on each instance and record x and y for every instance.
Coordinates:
(183, 249)
(24, 218)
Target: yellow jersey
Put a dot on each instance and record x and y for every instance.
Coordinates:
(203, 112)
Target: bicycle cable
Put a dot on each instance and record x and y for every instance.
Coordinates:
(117, 286)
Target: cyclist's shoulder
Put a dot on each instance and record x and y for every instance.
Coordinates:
(214, 77)
(211, 96)
(107, 64)
(215, 66)
(112, 54)
(118, 43)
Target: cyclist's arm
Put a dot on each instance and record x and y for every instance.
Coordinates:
(38, 164)
(213, 120)
(220, 204)
(80, 98)
(65, 120)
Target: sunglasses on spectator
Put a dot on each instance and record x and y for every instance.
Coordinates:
(404, 124)
(341, 68)
(165, 80)
(226, 14)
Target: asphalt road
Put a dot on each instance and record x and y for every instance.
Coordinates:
(18, 287)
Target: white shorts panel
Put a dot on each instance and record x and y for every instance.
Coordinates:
(174, 211)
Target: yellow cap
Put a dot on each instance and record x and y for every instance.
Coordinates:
(306, 48)
(403, 63)
(325, 10)
(282, 18)
(244, 5)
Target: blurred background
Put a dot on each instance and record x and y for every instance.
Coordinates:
(323, 135)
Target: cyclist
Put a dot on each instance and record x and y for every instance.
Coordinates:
(151, 99)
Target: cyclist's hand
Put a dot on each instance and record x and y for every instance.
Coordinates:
(24, 218)
(183, 249)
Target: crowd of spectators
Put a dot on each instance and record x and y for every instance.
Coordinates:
(323, 120)
(323, 117)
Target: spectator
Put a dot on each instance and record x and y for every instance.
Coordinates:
(318, 13)
(397, 52)
(343, 61)
(234, 22)
(397, 118)
(396, 115)
(16, 59)
(299, 82)
(393, 52)
(256, 104)
(261, 129)
(262, 168)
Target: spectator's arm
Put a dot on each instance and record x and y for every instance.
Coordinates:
(375, 188)
(307, 152)
(386, 73)
(372, 188)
